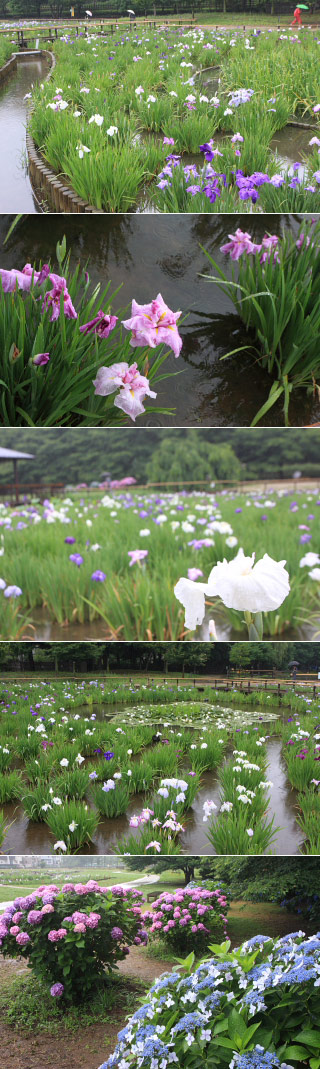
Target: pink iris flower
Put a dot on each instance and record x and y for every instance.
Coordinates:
(102, 325)
(133, 387)
(10, 279)
(154, 324)
(240, 242)
(52, 299)
(194, 573)
(137, 555)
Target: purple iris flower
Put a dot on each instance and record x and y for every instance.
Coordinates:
(102, 325)
(40, 359)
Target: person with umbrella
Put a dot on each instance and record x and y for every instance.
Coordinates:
(294, 665)
(297, 15)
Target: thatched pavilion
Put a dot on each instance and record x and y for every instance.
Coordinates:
(14, 456)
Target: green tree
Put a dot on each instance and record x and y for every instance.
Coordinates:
(294, 880)
(192, 460)
(260, 655)
(186, 864)
(17, 8)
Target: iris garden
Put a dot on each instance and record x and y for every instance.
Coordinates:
(146, 565)
(81, 770)
(135, 121)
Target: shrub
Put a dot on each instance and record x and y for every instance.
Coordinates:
(187, 919)
(70, 937)
(251, 1008)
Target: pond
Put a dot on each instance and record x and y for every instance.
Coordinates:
(147, 255)
(16, 191)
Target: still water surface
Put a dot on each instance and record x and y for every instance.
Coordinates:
(16, 193)
(27, 837)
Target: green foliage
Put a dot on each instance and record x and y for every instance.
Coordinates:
(277, 297)
(284, 1011)
(291, 881)
(266, 454)
(192, 461)
(62, 390)
(194, 658)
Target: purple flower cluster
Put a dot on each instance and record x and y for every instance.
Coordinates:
(186, 910)
(38, 919)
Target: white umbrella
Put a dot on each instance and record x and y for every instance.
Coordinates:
(130, 12)
(89, 13)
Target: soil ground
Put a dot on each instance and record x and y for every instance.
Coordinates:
(87, 1046)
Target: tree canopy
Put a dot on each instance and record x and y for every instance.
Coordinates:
(67, 455)
(189, 657)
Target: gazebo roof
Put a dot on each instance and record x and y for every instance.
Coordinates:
(12, 454)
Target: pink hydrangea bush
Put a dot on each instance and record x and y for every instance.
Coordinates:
(189, 918)
(71, 938)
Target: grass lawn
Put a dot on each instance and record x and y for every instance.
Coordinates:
(10, 890)
(266, 918)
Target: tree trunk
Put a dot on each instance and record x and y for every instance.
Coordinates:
(30, 661)
(188, 874)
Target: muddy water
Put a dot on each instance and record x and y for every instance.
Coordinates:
(226, 633)
(291, 145)
(15, 190)
(282, 803)
(147, 255)
(26, 837)
(194, 840)
(46, 630)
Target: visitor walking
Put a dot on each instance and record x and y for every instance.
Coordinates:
(296, 17)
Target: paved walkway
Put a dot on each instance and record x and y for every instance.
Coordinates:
(134, 883)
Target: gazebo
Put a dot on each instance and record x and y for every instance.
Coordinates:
(12, 454)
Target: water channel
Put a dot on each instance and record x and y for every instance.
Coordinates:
(16, 192)
(28, 837)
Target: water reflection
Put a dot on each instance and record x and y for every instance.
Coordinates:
(28, 837)
(146, 255)
(291, 145)
(16, 194)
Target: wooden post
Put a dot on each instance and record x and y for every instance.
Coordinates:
(15, 473)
